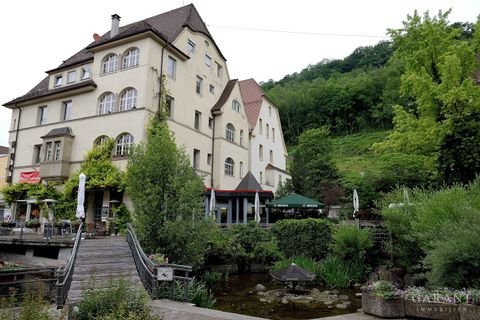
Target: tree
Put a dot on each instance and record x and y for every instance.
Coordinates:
(439, 63)
(312, 164)
(161, 183)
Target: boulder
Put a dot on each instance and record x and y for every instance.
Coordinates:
(372, 277)
(260, 288)
(262, 300)
(341, 306)
(343, 297)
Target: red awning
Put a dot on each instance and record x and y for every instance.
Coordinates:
(30, 177)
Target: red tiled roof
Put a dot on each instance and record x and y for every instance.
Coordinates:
(252, 96)
(3, 150)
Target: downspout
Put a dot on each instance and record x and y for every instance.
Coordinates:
(161, 78)
(16, 142)
(213, 151)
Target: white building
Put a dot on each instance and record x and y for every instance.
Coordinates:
(111, 88)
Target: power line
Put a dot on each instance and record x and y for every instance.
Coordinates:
(300, 32)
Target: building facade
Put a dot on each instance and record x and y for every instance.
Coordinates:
(112, 87)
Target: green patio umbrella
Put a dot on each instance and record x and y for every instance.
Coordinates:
(295, 201)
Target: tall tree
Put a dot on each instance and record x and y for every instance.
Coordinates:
(162, 184)
(312, 167)
(440, 64)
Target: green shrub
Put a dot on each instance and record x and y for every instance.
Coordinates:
(197, 293)
(119, 301)
(351, 243)
(383, 289)
(222, 249)
(308, 237)
(337, 273)
(266, 252)
(33, 306)
(443, 226)
(122, 218)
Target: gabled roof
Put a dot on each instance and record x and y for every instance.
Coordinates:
(272, 167)
(3, 150)
(224, 96)
(167, 26)
(58, 132)
(252, 96)
(249, 183)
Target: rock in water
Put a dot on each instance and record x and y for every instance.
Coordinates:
(260, 288)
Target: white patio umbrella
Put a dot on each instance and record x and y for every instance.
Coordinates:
(212, 203)
(257, 208)
(356, 202)
(81, 196)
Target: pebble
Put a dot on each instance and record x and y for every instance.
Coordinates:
(343, 297)
(341, 306)
(262, 300)
(284, 301)
(358, 294)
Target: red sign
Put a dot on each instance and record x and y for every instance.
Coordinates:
(30, 177)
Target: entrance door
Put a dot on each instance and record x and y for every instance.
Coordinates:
(97, 206)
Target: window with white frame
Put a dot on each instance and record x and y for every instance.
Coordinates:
(106, 103)
(241, 169)
(109, 63)
(196, 158)
(260, 152)
(66, 110)
(196, 121)
(219, 70)
(241, 137)
(267, 130)
(230, 132)
(190, 47)
(169, 105)
(130, 58)
(100, 140)
(123, 144)
(260, 126)
(42, 115)
(71, 76)
(56, 150)
(171, 67)
(235, 105)
(273, 134)
(208, 60)
(58, 80)
(128, 99)
(229, 166)
(198, 85)
(48, 151)
(211, 88)
(85, 72)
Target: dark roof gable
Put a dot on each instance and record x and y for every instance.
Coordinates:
(249, 183)
(224, 96)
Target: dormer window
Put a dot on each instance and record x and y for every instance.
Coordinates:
(190, 47)
(58, 80)
(236, 105)
(208, 60)
(85, 72)
(109, 63)
(71, 76)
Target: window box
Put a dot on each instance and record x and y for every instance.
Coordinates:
(381, 307)
(432, 310)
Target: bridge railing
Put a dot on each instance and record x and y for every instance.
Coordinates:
(64, 274)
(170, 281)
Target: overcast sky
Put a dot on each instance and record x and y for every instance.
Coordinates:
(38, 35)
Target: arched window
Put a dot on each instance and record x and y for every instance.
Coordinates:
(128, 99)
(100, 140)
(236, 105)
(241, 169)
(229, 166)
(123, 144)
(106, 103)
(230, 132)
(130, 58)
(109, 63)
(241, 137)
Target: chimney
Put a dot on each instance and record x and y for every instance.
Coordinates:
(115, 25)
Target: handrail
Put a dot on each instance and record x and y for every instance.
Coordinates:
(64, 273)
(148, 271)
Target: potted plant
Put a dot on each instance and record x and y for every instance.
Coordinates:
(383, 299)
(441, 304)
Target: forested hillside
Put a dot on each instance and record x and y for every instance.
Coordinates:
(348, 95)
(416, 98)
